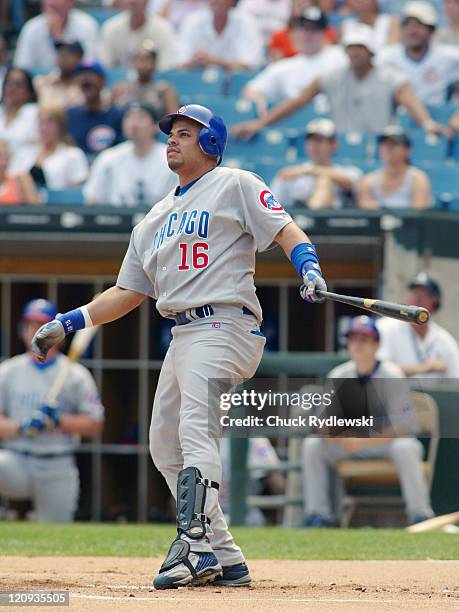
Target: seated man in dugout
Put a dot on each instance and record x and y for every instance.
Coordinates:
(403, 448)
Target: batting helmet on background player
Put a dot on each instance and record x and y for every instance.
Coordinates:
(213, 135)
(39, 310)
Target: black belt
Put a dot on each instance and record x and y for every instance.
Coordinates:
(39, 455)
(201, 312)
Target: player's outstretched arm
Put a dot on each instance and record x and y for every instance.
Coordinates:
(302, 254)
(110, 305)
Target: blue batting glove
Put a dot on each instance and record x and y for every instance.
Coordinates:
(51, 415)
(32, 426)
(313, 280)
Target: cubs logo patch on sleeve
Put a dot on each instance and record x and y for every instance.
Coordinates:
(269, 201)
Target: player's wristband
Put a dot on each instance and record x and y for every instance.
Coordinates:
(73, 320)
(304, 258)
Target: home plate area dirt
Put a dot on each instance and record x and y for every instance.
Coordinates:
(118, 584)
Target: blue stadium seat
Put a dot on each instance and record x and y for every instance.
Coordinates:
(65, 197)
(115, 75)
(232, 110)
(454, 147)
(444, 179)
(269, 144)
(238, 80)
(441, 113)
(303, 116)
(101, 14)
(210, 81)
(428, 147)
(355, 146)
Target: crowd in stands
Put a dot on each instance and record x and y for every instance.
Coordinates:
(316, 76)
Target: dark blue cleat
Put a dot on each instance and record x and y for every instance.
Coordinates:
(233, 576)
(317, 520)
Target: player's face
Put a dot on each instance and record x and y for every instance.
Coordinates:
(183, 151)
(319, 148)
(415, 34)
(418, 296)
(361, 345)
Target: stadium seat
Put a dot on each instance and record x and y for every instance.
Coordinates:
(210, 81)
(269, 144)
(354, 146)
(238, 80)
(299, 120)
(428, 147)
(100, 13)
(441, 113)
(115, 75)
(232, 110)
(444, 179)
(65, 197)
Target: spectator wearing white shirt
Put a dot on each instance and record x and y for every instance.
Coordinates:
(386, 28)
(421, 351)
(221, 36)
(397, 184)
(54, 163)
(431, 68)
(59, 21)
(271, 15)
(134, 173)
(319, 182)
(175, 11)
(362, 97)
(285, 78)
(59, 87)
(123, 34)
(449, 34)
(18, 113)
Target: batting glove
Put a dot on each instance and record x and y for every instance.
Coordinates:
(313, 280)
(51, 416)
(32, 426)
(46, 337)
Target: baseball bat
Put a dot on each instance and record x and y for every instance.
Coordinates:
(403, 312)
(434, 523)
(79, 344)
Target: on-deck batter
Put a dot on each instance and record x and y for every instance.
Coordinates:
(195, 254)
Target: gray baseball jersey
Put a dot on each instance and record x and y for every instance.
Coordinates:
(199, 248)
(24, 386)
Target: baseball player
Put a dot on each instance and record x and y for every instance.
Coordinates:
(38, 441)
(194, 253)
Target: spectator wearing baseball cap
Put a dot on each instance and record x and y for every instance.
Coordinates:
(397, 184)
(284, 79)
(361, 96)
(59, 87)
(143, 85)
(319, 182)
(58, 21)
(135, 172)
(431, 68)
(94, 125)
(396, 442)
(449, 34)
(421, 351)
(282, 43)
(386, 28)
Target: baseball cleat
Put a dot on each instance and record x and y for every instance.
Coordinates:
(234, 576)
(198, 569)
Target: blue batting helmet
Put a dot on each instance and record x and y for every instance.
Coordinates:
(39, 310)
(213, 135)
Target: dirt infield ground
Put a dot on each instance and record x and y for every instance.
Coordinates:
(109, 584)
